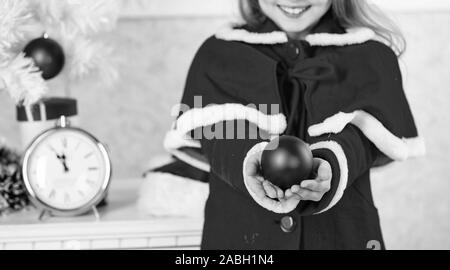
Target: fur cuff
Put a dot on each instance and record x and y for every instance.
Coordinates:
(174, 140)
(343, 170)
(164, 194)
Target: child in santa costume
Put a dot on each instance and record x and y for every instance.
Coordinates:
(325, 71)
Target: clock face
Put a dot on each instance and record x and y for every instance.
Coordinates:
(66, 169)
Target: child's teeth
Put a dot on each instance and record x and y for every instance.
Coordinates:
(291, 10)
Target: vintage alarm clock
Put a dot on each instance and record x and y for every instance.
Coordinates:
(66, 170)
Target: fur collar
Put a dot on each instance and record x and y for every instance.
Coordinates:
(234, 32)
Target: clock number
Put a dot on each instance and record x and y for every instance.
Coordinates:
(78, 145)
(88, 155)
(52, 194)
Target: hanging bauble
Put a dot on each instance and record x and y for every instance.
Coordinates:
(47, 54)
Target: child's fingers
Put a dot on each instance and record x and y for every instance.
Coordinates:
(280, 193)
(324, 172)
(290, 203)
(288, 193)
(295, 188)
(270, 190)
(309, 195)
(270, 203)
(256, 187)
(315, 185)
(260, 178)
(265, 188)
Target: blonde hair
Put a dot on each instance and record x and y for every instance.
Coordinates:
(348, 13)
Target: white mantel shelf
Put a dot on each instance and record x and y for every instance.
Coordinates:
(121, 226)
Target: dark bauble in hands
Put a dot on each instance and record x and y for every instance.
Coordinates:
(286, 161)
(47, 55)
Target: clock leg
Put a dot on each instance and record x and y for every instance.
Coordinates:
(96, 213)
(42, 215)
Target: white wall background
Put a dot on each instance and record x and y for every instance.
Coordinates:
(183, 8)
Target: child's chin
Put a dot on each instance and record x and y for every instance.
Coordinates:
(293, 28)
(292, 25)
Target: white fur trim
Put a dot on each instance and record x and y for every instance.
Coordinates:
(229, 33)
(343, 169)
(392, 146)
(164, 194)
(334, 124)
(210, 115)
(175, 139)
(353, 36)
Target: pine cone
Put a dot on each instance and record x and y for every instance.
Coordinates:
(13, 196)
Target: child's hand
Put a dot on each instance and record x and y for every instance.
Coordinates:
(265, 193)
(313, 190)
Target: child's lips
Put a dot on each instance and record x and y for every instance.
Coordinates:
(293, 12)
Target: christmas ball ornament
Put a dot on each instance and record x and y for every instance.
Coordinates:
(286, 161)
(48, 56)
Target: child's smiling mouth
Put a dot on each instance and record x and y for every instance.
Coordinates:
(293, 12)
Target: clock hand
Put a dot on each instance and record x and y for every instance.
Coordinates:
(62, 158)
(64, 162)
(58, 156)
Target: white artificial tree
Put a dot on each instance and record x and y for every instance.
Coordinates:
(77, 25)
